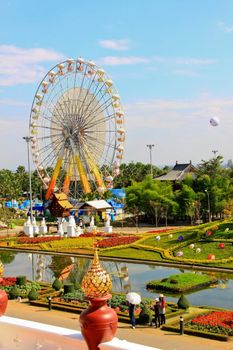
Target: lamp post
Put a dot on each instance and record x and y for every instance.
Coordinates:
(150, 146)
(28, 140)
(208, 198)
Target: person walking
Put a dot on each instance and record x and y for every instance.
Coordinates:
(156, 307)
(162, 309)
(131, 309)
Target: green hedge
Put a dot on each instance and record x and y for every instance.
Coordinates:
(197, 333)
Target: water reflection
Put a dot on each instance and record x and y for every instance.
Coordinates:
(7, 257)
(125, 277)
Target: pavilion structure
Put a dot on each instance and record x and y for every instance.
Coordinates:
(178, 173)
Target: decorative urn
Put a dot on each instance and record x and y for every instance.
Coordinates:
(98, 322)
(3, 295)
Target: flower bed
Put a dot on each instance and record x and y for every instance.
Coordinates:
(220, 322)
(7, 281)
(115, 241)
(161, 230)
(36, 240)
(99, 234)
(9, 284)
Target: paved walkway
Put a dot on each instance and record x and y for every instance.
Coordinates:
(142, 334)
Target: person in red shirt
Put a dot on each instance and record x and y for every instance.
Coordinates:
(162, 309)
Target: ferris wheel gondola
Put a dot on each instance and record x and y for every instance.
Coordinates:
(77, 129)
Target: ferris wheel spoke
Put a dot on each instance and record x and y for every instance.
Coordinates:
(92, 107)
(52, 145)
(48, 119)
(97, 148)
(80, 91)
(94, 98)
(97, 110)
(39, 138)
(50, 158)
(47, 127)
(102, 120)
(88, 88)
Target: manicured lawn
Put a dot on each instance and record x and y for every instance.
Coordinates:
(206, 249)
(132, 253)
(182, 282)
(166, 241)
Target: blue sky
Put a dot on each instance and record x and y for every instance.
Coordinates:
(171, 61)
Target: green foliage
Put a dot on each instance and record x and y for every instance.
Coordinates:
(132, 172)
(21, 280)
(14, 292)
(145, 315)
(183, 302)
(57, 284)
(6, 214)
(7, 257)
(154, 198)
(77, 295)
(33, 294)
(97, 219)
(68, 288)
(118, 300)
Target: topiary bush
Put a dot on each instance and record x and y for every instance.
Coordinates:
(145, 315)
(183, 302)
(21, 280)
(57, 284)
(33, 294)
(172, 281)
(14, 292)
(68, 288)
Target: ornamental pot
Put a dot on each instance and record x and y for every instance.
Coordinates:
(3, 302)
(98, 322)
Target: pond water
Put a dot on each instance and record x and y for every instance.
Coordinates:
(125, 277)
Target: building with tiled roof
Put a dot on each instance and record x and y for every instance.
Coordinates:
(178, 173)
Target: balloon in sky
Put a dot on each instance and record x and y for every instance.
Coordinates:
(214, 121)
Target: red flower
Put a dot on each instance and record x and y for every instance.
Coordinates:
(223, 319)
(115, 241)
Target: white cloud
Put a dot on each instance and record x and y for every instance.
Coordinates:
(184, 60)
(118, 45)
(128, 60)
(225, 28)
(116, 61)
(23, 66)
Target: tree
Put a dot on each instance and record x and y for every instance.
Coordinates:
(214, 180)
(153, 198)
(133, 172)
(185, 198)
(9, 184)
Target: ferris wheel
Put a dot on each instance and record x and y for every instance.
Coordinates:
(77, 129)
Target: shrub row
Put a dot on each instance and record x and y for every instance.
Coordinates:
(197, 333)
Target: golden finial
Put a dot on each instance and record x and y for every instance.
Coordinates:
(97, 281)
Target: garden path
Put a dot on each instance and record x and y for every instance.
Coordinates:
(149, 336)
